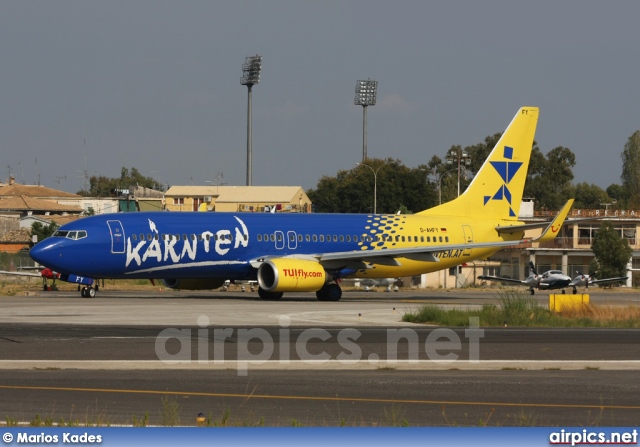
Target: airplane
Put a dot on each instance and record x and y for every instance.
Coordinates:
(588, 280)
(549, 280)
(307, 252)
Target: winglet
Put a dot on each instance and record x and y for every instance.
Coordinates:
(554, 227)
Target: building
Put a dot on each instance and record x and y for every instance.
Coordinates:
(13, 241)
(290, 199)
(37, 200)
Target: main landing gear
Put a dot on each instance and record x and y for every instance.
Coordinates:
(329, 292)
(269, 296)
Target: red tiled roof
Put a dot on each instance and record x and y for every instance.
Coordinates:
(24, 203)
(20, 236)
(38, 191)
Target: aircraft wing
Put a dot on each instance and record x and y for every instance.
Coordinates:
(507, 280)
(388, 256)
(608, 280)
(35, 275)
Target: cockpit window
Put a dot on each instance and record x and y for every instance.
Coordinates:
(75, 235)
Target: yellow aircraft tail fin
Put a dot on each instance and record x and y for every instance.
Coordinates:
(496, 190)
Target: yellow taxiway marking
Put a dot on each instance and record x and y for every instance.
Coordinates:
(320, 398)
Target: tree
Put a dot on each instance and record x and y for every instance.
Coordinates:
(397, 187)
(631, 169)
(589, 196)
(616, 192)
(549, 178)
(101, 186)
(612, 252)
(43, 231)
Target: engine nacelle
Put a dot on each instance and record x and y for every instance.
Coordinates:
(291, 275)
(194, 283)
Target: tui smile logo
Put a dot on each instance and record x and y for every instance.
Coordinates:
(507, 170)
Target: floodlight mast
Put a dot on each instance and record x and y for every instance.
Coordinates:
(250, 77)
(365, 96)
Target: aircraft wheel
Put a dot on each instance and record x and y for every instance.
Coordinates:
(532, 291)
(45, 287)
(269, 296)
(83, 292)
(563, 292)
(329, 292)
(91, 292)
(575, 291)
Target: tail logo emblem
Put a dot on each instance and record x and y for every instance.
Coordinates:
(507, 170)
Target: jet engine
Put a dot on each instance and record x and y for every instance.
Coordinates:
(291, 275)
(194, 283)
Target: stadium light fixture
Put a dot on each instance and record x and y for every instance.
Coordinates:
(250, 76)
(366, 92)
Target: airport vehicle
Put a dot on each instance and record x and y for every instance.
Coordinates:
(387, 283)
(252, 285)
(549, 280)
(589, 280)
(303, 252)
(45, 273)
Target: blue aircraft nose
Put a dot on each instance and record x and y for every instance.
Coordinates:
(48, 253)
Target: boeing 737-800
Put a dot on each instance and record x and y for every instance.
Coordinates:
(305, 252)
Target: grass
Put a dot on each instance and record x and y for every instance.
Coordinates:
(19, 285)
(517, 309)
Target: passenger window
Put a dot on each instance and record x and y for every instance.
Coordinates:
(322, 238)
(446, 238)
(141, 237)
(440, 238)
(134, 237)
(335, 238)
(149, 237)
(273, 238)
(307, 238)
(315, 238)
(279, 237)
(259, 238)
(299, 238)
(341, 238)
(348, 238)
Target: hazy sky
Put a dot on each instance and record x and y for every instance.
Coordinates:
(156, 84)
